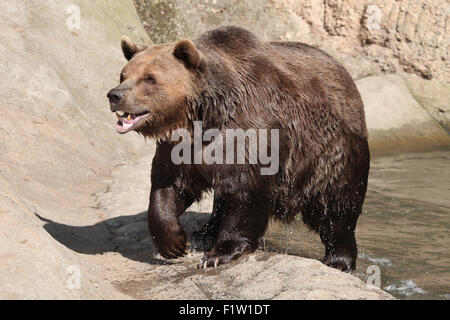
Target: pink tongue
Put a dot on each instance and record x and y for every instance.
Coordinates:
(125, 126)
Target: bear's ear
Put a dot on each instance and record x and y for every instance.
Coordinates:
(130, 49)
(186, 51)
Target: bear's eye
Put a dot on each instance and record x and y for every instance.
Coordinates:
(150, 79)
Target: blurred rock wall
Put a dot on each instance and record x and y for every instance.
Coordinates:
(405, 35)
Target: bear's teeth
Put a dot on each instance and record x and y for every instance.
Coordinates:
(129, 117)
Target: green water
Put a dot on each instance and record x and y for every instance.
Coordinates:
(404, 228)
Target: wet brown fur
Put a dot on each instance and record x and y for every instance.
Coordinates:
(237, 81)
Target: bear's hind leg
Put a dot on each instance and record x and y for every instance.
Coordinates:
(338, 224)
(340, 244)
(343, 205)
(243, 224)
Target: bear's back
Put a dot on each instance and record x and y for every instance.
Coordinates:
(311, 72)
(328, 79)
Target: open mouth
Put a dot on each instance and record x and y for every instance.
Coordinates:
(129, 121)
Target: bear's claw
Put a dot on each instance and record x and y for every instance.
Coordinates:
(211, 261)
(224, 252)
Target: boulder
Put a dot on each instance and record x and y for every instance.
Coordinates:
(396, 121)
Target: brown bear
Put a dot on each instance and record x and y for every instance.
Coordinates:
(228, 79)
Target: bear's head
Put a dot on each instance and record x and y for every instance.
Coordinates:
(154, 87)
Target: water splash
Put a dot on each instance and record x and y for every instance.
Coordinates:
(405, 288)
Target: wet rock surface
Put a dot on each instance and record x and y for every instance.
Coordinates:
(262, 275)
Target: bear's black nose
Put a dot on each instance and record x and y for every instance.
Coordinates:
(115, 97)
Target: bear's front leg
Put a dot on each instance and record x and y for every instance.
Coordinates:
(244, 222)
(166, 205)
(209, 232)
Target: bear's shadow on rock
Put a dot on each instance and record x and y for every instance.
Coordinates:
(126, 235)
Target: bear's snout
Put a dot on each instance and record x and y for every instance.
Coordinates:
(115, 97)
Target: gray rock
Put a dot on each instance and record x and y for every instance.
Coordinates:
(396, 121)
(57, 140)
(258, 276)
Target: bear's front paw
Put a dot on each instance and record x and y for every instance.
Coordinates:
(224, 252)
(171, 244)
